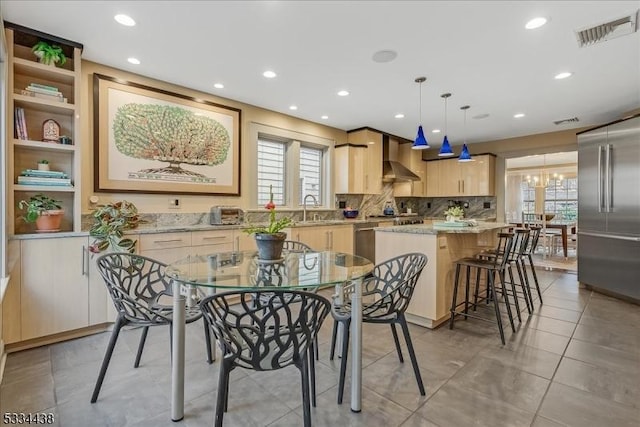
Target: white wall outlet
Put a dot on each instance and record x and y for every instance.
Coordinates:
(174, 203)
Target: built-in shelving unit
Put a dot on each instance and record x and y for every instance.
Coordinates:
(24, 152)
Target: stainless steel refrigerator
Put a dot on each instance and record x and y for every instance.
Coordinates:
(609, 207)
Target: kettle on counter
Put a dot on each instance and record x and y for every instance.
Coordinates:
(388, 210)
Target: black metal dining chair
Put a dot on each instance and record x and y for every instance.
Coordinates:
(264, 340)
(390, 287)
(142, 297)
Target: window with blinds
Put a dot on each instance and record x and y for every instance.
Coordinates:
(311, 173)
(271, 171)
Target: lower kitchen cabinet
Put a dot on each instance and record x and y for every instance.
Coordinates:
(165, 247)
(54, 286)
(337, 238)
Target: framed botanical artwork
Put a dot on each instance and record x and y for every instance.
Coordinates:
(153, 141)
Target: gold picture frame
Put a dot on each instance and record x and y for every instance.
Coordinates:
(151, 140)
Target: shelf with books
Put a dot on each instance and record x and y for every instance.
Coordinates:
(42, 146)
(42, 94)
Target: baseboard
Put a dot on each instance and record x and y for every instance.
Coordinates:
(51, 339)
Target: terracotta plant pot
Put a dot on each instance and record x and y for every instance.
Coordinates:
(49, 221)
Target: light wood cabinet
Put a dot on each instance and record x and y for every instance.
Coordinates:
(358, 164)
(207, 242)
(412, 159)
(337, 238)
(165, 247)
(244, 241)
(54, 286)
(450, 178)
(35, 107)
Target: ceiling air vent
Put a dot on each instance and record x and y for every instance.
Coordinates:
(608, 30)
(564, 121)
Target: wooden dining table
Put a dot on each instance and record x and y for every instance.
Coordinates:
(564, 226)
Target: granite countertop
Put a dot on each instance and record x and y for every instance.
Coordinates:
(150, 229)
(438, 228)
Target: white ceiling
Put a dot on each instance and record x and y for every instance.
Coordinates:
(479, 51)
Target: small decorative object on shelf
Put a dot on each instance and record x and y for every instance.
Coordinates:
(43, 165)
(454, 213)
(65, 140)
(112, 220)
(50, 131)
(270, 238)
(44, 211)
(49, 54)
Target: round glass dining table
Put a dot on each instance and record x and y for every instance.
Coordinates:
(225, 271)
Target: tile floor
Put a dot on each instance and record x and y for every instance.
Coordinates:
(575, 362)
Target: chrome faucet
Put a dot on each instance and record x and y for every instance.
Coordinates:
(304, 206)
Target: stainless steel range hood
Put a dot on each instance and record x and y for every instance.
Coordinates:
(392, 169)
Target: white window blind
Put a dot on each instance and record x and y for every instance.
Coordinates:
(271, 171)
(311, 173)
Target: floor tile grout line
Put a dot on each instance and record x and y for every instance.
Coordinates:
(555, 371)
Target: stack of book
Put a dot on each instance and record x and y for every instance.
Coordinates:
(38, 90)
(38, 177)
(20, 124)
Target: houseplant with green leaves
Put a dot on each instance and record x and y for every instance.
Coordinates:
(270, 238)
(49, 54)
(44, 211)
(111, 221)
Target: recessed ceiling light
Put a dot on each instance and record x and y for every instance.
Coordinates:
(125, 20)
(399, 116)
(435, 131)
(269, 74)
(384, 56)
(535, 23)
(293, 107)
(134, 61)
(563, 75)
(324, 117)
(343, 93)
(218, 86)
(481, 116)
(518, 115)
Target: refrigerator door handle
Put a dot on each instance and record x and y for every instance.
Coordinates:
(609, 169)
(609, 236)
(601, 197)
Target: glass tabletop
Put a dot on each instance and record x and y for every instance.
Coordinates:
(244, 270)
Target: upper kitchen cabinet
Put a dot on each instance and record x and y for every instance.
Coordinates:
(412, 159)
(450, 178)
(43, 123)
(358, 163)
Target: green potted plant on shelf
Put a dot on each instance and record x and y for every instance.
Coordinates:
(43, 165)
(270, 238)
(111, 221)
(44, 211)
(49, 54)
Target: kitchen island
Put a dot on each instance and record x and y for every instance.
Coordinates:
(443, 244)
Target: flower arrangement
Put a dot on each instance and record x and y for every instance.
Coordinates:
(111, 221)
(455, 211)
(274, 226)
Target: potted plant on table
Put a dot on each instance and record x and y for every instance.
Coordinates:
(44, 211)
(49, 54)
(111, 221)
(270, 238)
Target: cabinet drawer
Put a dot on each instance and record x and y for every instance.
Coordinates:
(215, 237)
(164, 241)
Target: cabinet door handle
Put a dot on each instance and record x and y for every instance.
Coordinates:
(332, 240)
(210, 238)
(84, 254)
(462, 186)
(167, 241)
(237, 244)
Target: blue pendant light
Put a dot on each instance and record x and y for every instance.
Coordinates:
(445, 149)
(421, 142)
(465, 156)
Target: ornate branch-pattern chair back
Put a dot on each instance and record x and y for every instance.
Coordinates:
(392, 284)
(271, 336)
(295, 246)
(135, 284)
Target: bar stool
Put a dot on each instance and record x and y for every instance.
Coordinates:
(528, 254)
(491, 265)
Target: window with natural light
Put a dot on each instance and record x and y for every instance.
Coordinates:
(561, 198)
(289, 166)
